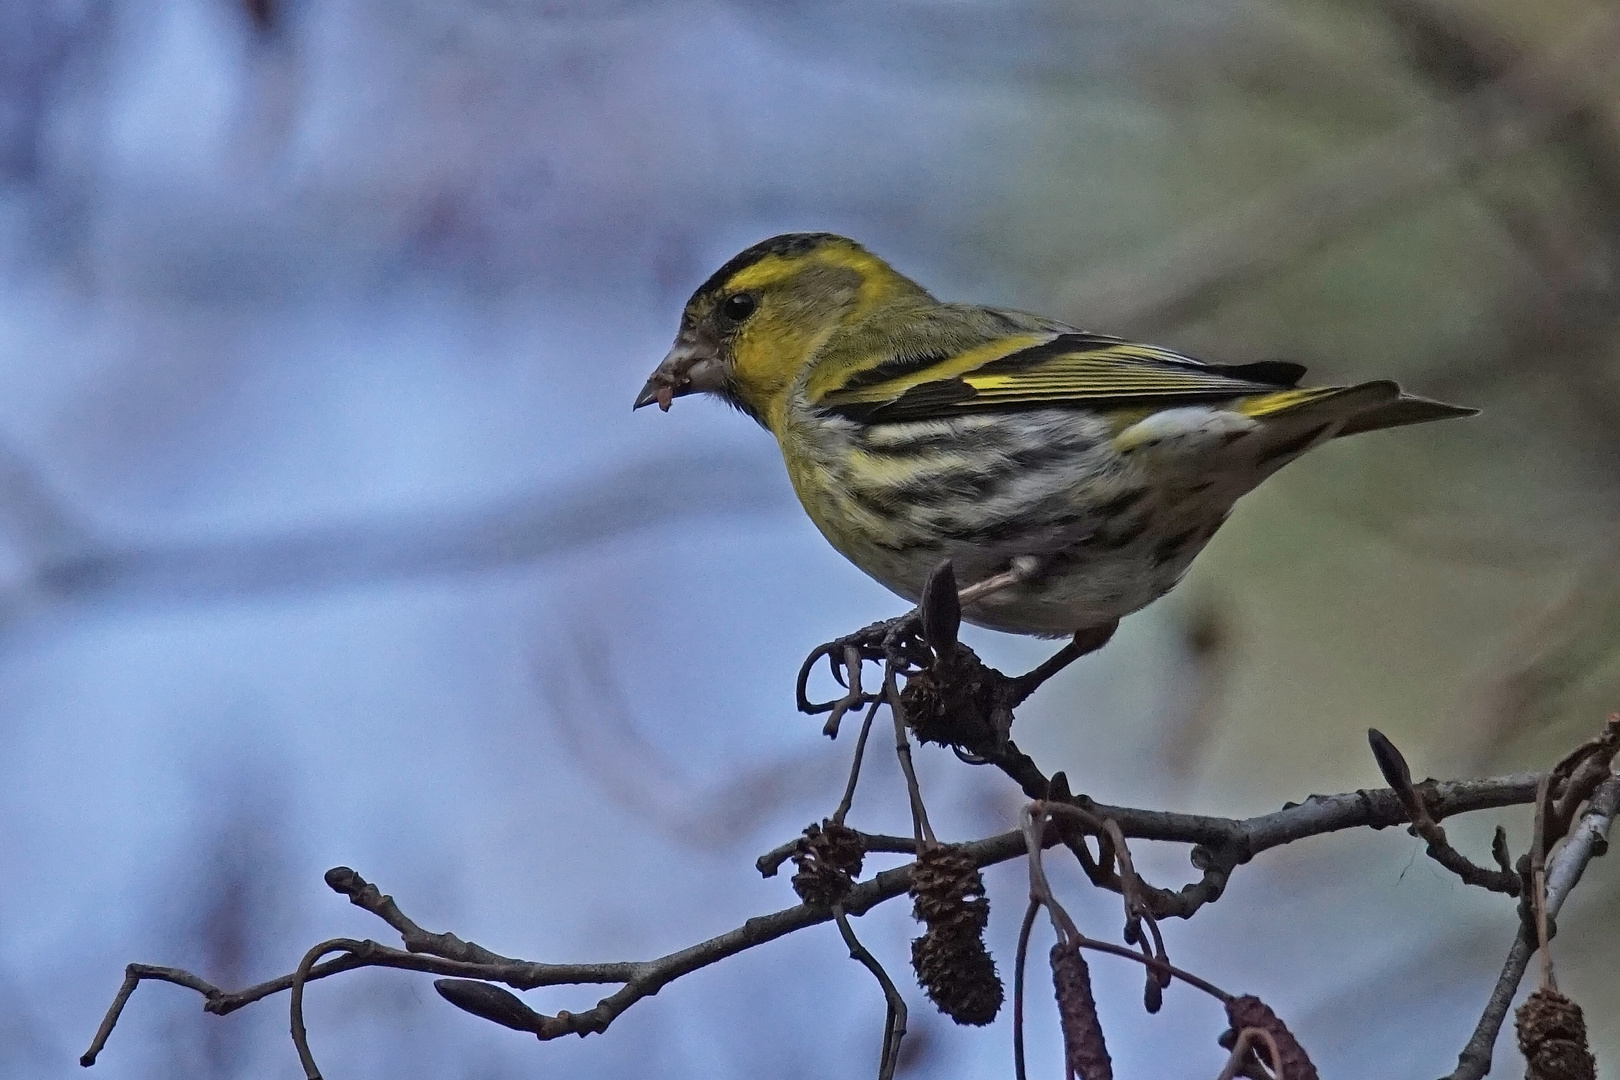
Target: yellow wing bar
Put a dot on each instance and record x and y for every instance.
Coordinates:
(1075, 368)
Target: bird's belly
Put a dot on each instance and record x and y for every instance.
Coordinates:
(1089, 582)
(1107, 533)
(1078, 589)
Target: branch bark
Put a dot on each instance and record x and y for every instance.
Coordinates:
(1589, 839)
(446, 954)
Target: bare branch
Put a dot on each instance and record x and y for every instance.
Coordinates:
(1589, 839)
(894, 1023)
(300, 1037)
(1224, 844)
(1393, 765)
(1020, 961)
(448, 955)
(768, 863)
(848, 800)
(902, 749)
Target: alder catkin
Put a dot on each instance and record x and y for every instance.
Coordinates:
(1083, 1046)
(1250, 1012)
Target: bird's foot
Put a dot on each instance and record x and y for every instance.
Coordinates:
(907, 645)
(950, 696)
(894, 643)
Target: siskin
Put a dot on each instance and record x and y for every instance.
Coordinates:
(1079, 473)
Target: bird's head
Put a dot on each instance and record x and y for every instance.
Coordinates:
(757, 323)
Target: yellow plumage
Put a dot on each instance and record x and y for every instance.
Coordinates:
(915, 431)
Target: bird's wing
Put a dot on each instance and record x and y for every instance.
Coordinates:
(1075, 368)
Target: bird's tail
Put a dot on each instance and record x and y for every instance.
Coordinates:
(1367, 406)
(1405, 409)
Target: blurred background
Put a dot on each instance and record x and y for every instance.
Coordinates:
(327, 535)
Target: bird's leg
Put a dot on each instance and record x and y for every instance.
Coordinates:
(1083, 643)
(1012, 692)
(1023, 568)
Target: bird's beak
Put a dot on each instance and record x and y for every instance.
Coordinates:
(689, 368)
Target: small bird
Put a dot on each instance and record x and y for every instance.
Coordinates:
(1076, 473)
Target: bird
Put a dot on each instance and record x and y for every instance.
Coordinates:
(1069, 477)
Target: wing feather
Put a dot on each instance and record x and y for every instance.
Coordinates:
(1090, 370)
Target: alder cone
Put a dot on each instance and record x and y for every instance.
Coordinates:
(1552, 1037)
(828, 858)
(947, 891)
(950, 702)
(959, 976)
(951, 963)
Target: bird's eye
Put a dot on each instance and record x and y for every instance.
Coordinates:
(738, 306)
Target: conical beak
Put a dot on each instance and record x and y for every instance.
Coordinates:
(688, 369)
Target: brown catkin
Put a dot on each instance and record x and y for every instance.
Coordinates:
(1249, 1011)
(1552, 1037)
(828, 858)
(950, 960)
(1083, 1046)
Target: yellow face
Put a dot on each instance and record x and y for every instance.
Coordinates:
(752, 329)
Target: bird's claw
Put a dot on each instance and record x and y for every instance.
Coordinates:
(895, 642)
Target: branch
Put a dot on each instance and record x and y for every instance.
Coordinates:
(894, 1023)
(1590, 839)
(1393, 765)
(1239, 839)
(1223, 844)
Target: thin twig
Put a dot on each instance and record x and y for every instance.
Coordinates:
(1020, 961)
(132, 979)
(860, 752)
(1130, 883)
(1587, 766)
(1589, 837)
(1392, 763)
(300, 1037)
(448, 955)
(1033, 821)
(894, 1024)
(902, 749)
(770, 862)
(1137, 913)
(1154, 965)
(1538, 880)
